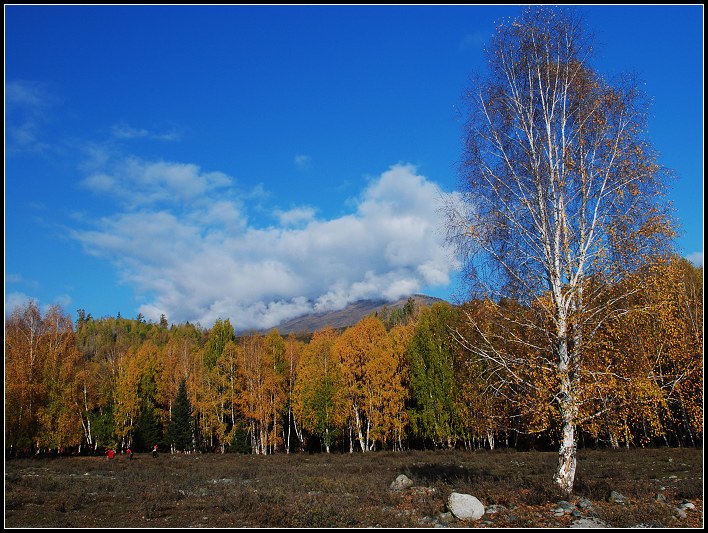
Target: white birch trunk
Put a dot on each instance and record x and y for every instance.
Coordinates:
(567, 458)
(360, 434)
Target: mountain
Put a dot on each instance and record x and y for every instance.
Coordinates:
(348, 316)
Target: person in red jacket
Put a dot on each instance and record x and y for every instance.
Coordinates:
(110, 453)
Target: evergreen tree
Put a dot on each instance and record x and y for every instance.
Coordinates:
(179, 430)
(148, 430)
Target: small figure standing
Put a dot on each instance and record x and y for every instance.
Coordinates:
(154, 451)
(130, 454)
(110, 453)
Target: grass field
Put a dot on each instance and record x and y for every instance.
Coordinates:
(343, 490)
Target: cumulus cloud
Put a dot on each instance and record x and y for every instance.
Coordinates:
(207, 262)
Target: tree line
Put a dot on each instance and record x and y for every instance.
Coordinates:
(397, 380)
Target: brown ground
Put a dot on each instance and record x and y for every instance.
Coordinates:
(342, 490)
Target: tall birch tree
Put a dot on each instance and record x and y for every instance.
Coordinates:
(320, 393)
(561, 197)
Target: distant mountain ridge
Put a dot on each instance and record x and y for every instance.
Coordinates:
(348, 316)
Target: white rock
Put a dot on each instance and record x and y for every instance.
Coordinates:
(465, 506)
(680, 513)
(687, 505)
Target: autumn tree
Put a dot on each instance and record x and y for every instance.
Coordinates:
(87, 396)
(227, 381)
(174, 368)
(205, 389)
(399, 337)
(23, 387)
(276, 392)
(42, 364)
(319, 397)
(561, 195)
(59, 421)
(485, 396)
(132, 384)
(262, 395)
(375, 391)
(674, 341)
(105, 343)
(293, 351)
(662, 341)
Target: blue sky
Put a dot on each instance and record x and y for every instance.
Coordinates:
(260, 162)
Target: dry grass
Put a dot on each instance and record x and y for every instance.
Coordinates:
(342, 490)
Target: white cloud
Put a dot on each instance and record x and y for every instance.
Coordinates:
(63, 301)
(137, 183)
(18, 299)
(13, 278)
(27, 93)
(696, 258)
(125, 131)
(13, 300)
(27, 106)
(295, 217)
(204, 261)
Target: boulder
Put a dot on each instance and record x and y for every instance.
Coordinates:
(465, 506)
(565, 507)
(584, 503)
(402, 482)
(685, 504)
(616, 497)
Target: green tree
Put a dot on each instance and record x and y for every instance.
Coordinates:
(221, 333)
(180, 429)
(148, 429)
(432, 376)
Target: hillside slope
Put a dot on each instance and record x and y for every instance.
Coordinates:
(348, 316)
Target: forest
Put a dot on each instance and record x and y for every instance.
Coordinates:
(408, 378)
